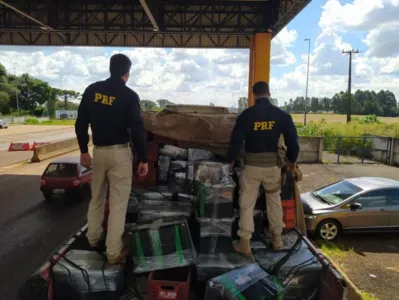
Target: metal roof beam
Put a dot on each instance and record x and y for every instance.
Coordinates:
(148, 6)
(42, 25)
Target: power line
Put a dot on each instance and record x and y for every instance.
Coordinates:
(349, 104)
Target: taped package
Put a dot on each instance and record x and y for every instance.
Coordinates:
(301, 273)
(258, 224)
(174, 152)
(212, 265)
(215, 200)
(161, 245)
(215, 235)
(199, 155)
(84, 274)
(178, 182)
(211, 172)
(178, 166)
(150, 210)
(163, 169)
(248, 282)
(156, 193)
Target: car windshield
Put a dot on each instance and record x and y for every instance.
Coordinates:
(62, 170)
(337, 192)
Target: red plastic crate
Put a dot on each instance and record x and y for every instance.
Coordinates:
(169, 284)
(288, 213)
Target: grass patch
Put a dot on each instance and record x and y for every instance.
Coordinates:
(49, 122)
(334, 250)
(368, 296)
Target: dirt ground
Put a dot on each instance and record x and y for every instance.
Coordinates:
(370, 260)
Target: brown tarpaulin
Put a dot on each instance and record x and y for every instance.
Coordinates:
(209, 132)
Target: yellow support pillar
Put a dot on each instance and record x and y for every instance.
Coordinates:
(259, 61)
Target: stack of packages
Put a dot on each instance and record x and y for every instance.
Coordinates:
(215, 216)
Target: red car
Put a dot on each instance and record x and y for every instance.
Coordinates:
(66, 175)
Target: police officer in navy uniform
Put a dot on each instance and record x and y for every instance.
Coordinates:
(113, 112)
(260, 126)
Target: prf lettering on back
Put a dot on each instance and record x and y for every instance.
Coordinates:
(104, 99)
(268, 125)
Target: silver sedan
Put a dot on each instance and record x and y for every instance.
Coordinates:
(362, 204)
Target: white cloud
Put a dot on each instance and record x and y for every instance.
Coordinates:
(221, 76)
(182, 75)
(376, 67)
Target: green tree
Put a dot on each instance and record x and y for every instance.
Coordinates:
(51, 104)
(31, 92)
(148, 105)
(274, 101)
(163, 103)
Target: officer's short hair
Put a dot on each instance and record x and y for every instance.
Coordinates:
(119, 65)
(261, 88)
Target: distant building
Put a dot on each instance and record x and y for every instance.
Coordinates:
(66, 114)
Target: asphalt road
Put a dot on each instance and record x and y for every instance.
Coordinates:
(34, 133)
(31, 229)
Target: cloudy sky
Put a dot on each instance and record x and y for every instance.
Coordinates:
(221, 76)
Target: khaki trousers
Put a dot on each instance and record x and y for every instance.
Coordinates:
(250, 180)
(115, 163)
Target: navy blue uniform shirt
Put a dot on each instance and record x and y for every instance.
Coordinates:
(260, 126)
(110, 107)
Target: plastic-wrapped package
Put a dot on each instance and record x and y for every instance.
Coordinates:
(258, 224)
(302, 264)
(161, 245)
(89, 276)
(178, 166)
(215, 201)
(156, 193)
(178, 182)
(150, 210)
(248, 282)
(163, 169)
(199, 155)
(215, 227)
(215, 235)
(190, 171)
(212, 265)
(187, 197)
(211, 172)
(174, 152)
(133, 203)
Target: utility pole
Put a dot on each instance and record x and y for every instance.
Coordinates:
(16, 90)
(349, 104)
(307, 84)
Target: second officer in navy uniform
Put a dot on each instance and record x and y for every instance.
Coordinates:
(260, 126)
(113, 112)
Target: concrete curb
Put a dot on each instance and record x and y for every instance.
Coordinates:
(353, 292)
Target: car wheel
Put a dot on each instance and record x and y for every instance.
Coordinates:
(329, 230)
(48, 195)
